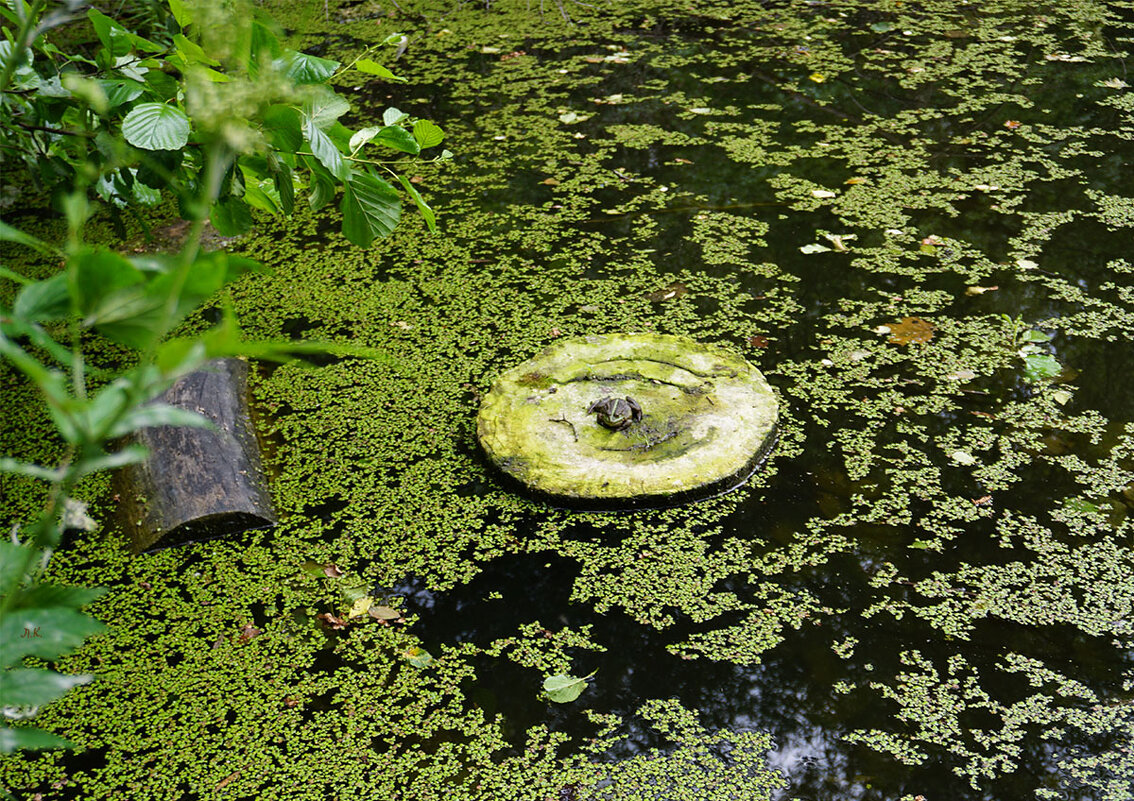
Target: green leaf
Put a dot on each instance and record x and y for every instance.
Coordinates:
(427, 133)
(418, 657)
(394, 136)
(119, 90)
(1036, 336)
(99, 273)
(321, 190)
(1041, 367)
(28, 739)
(563, 689)
(57, 595)
(231, 216)
(304, 68)
(159, 414)
(30, 687)
(166, 87)
(265, 43)
(12, 556)
(284, 127)
(371, 67)
(10, 234)
(285, 185)
(156, 126)
(181, 12)
(192, 51)
(325, 108)
(422, 206)
(46, 633)
(8, 465)
(371, 208)
(324, 149)
(44, 300)
(113, 36)
(132, 454)
(393, 116)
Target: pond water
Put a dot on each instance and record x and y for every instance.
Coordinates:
(914, 218)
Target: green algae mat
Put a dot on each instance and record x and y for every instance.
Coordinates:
(914, 219)
(688, 421)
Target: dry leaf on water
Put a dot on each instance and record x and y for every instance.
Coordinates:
(911, 329)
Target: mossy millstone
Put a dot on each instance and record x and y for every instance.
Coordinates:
(629, 420)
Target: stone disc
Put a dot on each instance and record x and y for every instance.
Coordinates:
(707, 419)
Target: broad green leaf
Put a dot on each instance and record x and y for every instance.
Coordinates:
(120, 90)
(231, 216)
(262, 195)
(1041, 367)
(99, 273)
(31, 687)
(427, 133)
(113, 36)
(304, 68)
(181, 12)
(285, 185)
(563, 689)
(166, 87)
(192, 51)
(284, 127)
(156, 126)
(393, 116)
(324, 149)
(418, 657)
(325, 108)
(419, 201)
(371, 208)
(394, 136)
(12, 556)
(28, 739)
(44, 300)
(321, 190)
(371, 67)
(45, 633)
(57, 595)
(263, 47)
(1080, 506)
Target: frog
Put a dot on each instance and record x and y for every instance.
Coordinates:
(617, 414)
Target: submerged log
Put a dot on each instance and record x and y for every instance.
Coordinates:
(199, 483)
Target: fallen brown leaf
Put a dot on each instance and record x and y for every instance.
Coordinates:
(911, 329)
(331, 621)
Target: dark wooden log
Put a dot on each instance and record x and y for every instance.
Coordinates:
(199, 483)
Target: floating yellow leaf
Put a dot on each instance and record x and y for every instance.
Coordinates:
(911, 329)
(360, 607)
(818, 77)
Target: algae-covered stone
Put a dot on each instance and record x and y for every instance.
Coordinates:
(693, 420)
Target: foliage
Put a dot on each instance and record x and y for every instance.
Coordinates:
(134, 117)
(220, 121)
